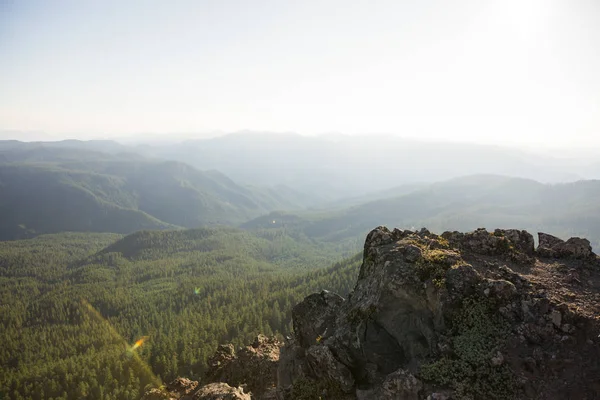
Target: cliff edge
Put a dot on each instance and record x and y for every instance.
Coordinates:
(478, 315)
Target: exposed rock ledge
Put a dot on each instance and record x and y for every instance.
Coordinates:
(479, 315)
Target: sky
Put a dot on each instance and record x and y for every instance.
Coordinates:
(488, 71)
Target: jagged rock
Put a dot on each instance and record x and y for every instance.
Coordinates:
(512, 244)
(479, 241)
(462, 280)
(178, 389)
(551, 246)
(184, 389)
(548, 241)
(578, 248)
(220, 391)
(522, 240)
(182, 386)
(325, 366)
(254, 366)
(420, 313)
(220, 362)
(315, 317)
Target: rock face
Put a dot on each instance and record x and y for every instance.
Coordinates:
(462, 315)
(551, 246)
(315, 316)
(254, 366)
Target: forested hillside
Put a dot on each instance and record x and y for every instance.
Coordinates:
(70, 304)
(568, 209)
(48, 189)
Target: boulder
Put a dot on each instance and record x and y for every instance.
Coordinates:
(315, 317)
(551, 246)
(254, 366)
(521, 240)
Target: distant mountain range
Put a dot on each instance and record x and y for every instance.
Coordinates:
(333, 190)
(491, 201)
(338, 167)
(45, 189)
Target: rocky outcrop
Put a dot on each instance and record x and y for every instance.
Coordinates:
(461, 315)
(551, 246)
(185, 389)
(254, 366)
(477, 315)
(249, 373)
(220, 391)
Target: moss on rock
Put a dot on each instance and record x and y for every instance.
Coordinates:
(478, 334)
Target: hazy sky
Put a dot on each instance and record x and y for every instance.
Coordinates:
(498, 71)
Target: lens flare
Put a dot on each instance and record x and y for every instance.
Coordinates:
(130, 353)
(139, 342)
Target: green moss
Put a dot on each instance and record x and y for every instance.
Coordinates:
(434, 265)
(439, 283)
(478, 333)
(443, 242)
(307, 389)
(436, 256)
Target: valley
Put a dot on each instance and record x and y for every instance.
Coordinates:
(103, 246)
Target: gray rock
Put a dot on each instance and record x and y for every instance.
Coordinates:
(556, 318)
(408, 308)
(579, 248)
(315, 316)
(412, 253)
(325, 366)
(522, 240)
(462, 280)
(551, 246)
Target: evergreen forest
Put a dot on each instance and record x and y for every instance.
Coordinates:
(73, 304)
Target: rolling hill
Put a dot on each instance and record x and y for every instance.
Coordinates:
(54, 189)
(568, 209)
(338, 167)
